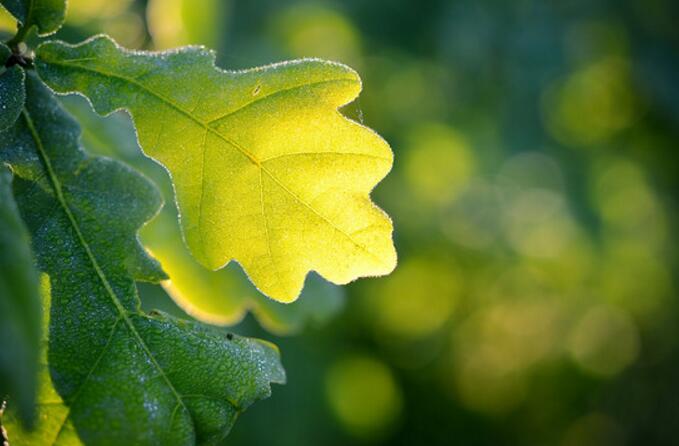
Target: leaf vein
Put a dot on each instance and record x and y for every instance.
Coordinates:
(285, 155)
(202, 193)
(266, 223)
(56, 184)
(87, 378)
(275, 93)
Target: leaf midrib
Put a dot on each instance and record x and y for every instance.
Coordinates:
(237, 146)
(56, 185)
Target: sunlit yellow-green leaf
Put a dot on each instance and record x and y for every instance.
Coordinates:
(224, 297)
(266, 170)
(221, 297)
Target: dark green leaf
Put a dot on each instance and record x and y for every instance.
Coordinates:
(19, 307)
(47, 15)
(125, 377)
(12, 91)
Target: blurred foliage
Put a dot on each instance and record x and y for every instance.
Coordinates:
(534, 198)
(351, 382)
(175, 23)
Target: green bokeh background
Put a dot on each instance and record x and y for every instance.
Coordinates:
(534, 196)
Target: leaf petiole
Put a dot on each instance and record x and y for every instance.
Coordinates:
(18, 37)
(23, 30)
